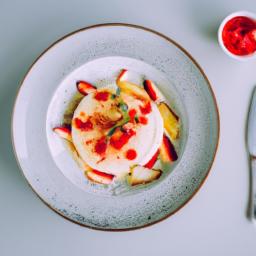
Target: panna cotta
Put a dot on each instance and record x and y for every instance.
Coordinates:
(114, 132)
(121, 130)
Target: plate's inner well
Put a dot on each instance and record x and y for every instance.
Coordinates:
(140, 163)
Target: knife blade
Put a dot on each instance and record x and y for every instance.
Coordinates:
(251, 144)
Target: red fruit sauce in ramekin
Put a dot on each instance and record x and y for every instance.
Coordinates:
(239, 35)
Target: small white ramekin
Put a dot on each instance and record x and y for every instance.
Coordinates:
(229, 17)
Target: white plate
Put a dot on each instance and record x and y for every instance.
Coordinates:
(100, 52)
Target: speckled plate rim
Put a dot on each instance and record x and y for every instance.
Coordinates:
(171, 41)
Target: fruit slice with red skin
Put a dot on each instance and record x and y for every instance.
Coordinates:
(152, 161)
(63, 132)
(129, 76)
(167, 151)
(153, 91)
(134, 90)
(122, 76)
(85, 88)
(131, 88)
(171, 120)
(142, 175)
(100, 177)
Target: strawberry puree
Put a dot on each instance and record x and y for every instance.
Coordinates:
(101, 146)
(143, 120)
(84, 126)
(119, 141)
(131, 154)
(132, 114)
(239, 35)
(101, 96)
(146, 109)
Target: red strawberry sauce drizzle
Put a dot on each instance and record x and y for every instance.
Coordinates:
(146, 109)
(101, 146)
(132, 114)
(131, 154)
(143, 120)
(83, 126)
(101, 96)
(119, 142)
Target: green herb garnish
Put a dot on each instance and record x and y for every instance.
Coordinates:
(111, 131)
(123, 106)
(120, 123)
(113, 96)
(126, 118)
(118, 91)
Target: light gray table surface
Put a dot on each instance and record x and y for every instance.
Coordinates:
(214, 222)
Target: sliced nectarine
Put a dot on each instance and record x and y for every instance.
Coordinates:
(85, 88)
(153, 91)
(142, 175)
(100, 177)
(129, 76)
(167, 151)
(171, 120)
(134, 90)
(122, 75)
(152, 161)
(131, 88)
(63, 132)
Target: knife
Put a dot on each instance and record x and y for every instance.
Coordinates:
(251, 143)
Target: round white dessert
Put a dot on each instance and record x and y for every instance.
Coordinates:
(146, 141)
